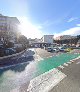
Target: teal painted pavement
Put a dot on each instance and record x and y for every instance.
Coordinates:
(15, 76)
(53, 62)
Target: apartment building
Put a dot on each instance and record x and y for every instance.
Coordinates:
(8, 28)
(64, 37)
(47, 39)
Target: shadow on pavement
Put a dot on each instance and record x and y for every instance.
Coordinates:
(17, 64)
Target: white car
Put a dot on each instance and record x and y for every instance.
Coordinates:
(56, 49)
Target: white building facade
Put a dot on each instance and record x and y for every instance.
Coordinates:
(47, 39)
(8, 28)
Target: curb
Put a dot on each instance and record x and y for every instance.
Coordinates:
(13, 55)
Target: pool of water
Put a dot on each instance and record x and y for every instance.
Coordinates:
(17, 75)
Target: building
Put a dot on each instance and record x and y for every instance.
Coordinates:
(8, 28)
(78, 43)
(47, 39)
(32, 41)
(65, 37)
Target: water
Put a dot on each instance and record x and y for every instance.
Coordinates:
(15, 76)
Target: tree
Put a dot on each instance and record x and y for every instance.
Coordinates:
(23, 40)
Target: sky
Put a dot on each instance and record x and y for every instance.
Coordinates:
(39, 17)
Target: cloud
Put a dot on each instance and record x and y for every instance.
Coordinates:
(72, 31)
(78, 25)
(28, 29)
(72, 19)
(49, 23)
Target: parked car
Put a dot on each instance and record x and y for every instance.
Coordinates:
(10, 51)
(49, 49)
(55, 49)
(2, 51)
(63, 49)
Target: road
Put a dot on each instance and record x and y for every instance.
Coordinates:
(16, 78)
(17, 73)
(23, 57)
(44, 54)
(72, 82)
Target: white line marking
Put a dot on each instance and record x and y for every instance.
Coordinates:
(65, 64)
(69, 62)
(72, 61)
(45, 82)
(61, 66)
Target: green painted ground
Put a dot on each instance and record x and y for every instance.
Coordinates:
(53, 62)
(17, 75)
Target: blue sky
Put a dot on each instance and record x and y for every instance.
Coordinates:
(59, 17)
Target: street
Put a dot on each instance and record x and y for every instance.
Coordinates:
(23, 57)
(17, 71)
(16, 77)
(20, 70)
(39, 46)
(72, 82)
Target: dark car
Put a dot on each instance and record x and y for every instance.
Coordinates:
(49, 49)
(10, 51)
(1, 51)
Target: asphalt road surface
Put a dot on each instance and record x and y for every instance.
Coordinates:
(69, 84)
(72, 82)
(24, 57)
(44, 54)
